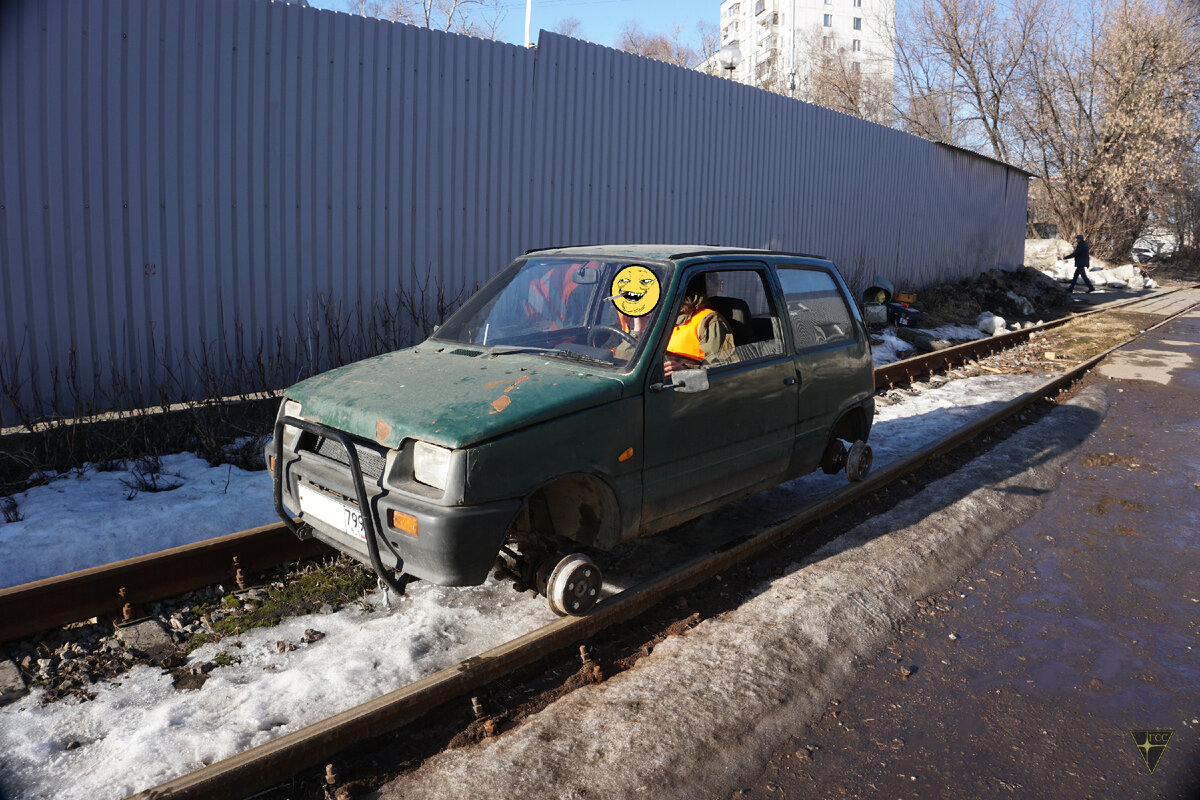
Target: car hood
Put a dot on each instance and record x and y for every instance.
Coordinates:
(448, 395)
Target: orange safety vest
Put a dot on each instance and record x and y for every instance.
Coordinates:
(685, 339)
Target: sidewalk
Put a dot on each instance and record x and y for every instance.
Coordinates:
(1080, 625)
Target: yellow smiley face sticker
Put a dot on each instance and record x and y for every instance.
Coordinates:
(635, 291)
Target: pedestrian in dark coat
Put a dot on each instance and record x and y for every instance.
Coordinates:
(1082, 259)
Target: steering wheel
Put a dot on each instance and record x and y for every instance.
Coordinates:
(607, 329)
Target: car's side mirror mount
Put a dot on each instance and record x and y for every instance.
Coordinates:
(690, 380)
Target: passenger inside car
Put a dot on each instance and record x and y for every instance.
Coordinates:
(701, 337)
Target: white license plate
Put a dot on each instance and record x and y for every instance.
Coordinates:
(333, 513)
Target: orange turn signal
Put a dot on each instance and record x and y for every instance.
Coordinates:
(272, 460)
(625, 456)
(402, 522)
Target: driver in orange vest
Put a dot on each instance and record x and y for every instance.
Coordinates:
(701, 336)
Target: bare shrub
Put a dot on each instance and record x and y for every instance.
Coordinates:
(147, 476)
(8, 506)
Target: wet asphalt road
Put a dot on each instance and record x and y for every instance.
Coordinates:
(1079, 626)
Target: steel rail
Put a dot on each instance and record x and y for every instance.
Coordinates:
(280, 759)
(38, 606)
(106, 589)
(906, 370)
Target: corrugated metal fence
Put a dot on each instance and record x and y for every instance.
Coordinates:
(201, 195)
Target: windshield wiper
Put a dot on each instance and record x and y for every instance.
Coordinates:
(506, 349)
(571, 354)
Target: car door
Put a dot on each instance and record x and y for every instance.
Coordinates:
(734, 437)
(828, 354)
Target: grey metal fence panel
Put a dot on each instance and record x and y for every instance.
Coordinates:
(204, 195)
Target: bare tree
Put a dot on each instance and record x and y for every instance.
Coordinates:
(959, 64)
(1097, 97)
(829, 75)
(661, 47)
(1112, 116)
(569, 26)
(480, 18)
(708, 43)
(926, 92)
(1182, 215)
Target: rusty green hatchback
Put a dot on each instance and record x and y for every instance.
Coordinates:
(583, 397)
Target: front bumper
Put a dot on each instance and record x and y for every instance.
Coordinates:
(454, 545)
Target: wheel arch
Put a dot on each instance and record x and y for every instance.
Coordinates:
(852, 425)
(581, 507)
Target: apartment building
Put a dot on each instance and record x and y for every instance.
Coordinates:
(782, 42)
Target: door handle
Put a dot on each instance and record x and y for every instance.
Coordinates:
(789, 381)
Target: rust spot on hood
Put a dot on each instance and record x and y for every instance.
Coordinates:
(382, 431)
(513, 385)
(502, 402)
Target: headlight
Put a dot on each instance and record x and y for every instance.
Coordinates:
(431, 464)
(291, 408)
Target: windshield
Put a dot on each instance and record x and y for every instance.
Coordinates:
(590, 311)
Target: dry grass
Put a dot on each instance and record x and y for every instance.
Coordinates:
(1080, 339)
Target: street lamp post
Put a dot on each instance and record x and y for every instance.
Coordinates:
(729, 57)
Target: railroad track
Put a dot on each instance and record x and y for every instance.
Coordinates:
(95, 591)
(119, 589)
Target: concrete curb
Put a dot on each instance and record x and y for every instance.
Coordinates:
(705, 711)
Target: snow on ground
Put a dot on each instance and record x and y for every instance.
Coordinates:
(1046, 255)
(139, 731)
(893, 348)
(956, 333)
(1127, 276)
(83, 519)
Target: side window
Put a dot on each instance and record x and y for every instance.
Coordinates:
(815, 307)
(742, 300)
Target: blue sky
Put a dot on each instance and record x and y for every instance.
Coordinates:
(601, 19)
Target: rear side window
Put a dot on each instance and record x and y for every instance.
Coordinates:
(815, 307)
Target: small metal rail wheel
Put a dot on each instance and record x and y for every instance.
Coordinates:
(858, 461)
(573, 586)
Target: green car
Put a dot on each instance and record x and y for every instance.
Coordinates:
(585, 396)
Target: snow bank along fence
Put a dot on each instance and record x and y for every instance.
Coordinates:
(194, 191)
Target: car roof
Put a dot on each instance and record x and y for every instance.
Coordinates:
(659, 252)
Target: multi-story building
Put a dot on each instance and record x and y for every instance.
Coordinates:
(784, 42)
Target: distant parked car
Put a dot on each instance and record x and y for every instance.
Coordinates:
(570, 403)
(1141, 255)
